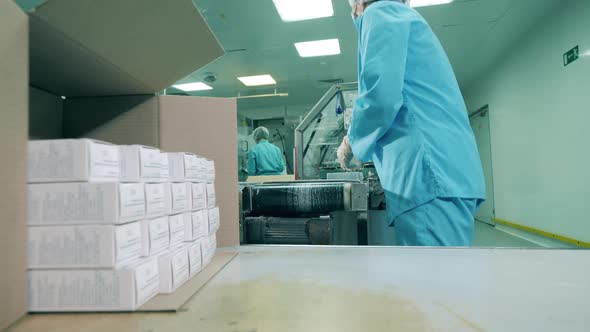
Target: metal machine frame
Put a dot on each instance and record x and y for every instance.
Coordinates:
(311, 210)
(305, 223)
(308, 120)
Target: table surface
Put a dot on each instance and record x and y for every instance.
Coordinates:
(269, 289)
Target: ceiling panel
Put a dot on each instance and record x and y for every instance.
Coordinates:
(255, 24)
(516, 25)
(465, 12)
(473, 32)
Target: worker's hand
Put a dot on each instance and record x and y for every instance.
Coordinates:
(345, 154)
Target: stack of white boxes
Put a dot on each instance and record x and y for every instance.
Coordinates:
(194, 222)
(110, 227)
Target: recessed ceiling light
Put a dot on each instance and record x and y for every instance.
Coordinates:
(197, 86)
(257, 80)
(318, 48)
(300, 10)
(424, 3)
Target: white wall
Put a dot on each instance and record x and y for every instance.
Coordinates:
(540, 126)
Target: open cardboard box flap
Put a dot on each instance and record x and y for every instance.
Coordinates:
(82, 48)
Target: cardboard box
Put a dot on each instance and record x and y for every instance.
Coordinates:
(73, 160)
(195, 258)
(211, 200)
(158, 198)
(85, 203)
(208, 248)
(214, 221)
(174, 269)
(210, 164)
(141, 164)
(199, 196)
(123, 289)
(155, 236)
(200, 221)
(177, 229)
(57, 247)
(183, 167)
(91, 69)
(170, 123)
(181, 197)
(14, 132)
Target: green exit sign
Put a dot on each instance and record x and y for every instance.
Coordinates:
(571, 56)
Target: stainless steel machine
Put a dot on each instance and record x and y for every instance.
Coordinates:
(320, 133)
(303, 212)
(325, 205)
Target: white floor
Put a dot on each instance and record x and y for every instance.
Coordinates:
(269, 289)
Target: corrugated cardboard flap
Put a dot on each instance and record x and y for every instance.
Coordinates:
(83, 48)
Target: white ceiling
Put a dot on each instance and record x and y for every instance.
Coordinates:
(475, 34)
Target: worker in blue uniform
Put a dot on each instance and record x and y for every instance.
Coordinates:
(265, 158)
(410, 119)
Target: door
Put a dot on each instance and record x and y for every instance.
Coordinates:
(480, 122)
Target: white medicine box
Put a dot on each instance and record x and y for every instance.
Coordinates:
(177, 229)
(199, 196)
(143, 164)
(208, 248)
(73, 160)
(200, 223)
(202, 169)
(155, 236)
(214, 221)
(187, 219)
(195, 225)
(158, 199)
(122, 289)
(174, 269)
(183, 166)
(210, 168)
(195, 258)
(85, 203)
(211, 199)
(181, 197)
(106, 246)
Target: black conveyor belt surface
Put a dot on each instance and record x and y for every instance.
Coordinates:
(297, 198)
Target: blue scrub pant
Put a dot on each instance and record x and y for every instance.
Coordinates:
(440, 222)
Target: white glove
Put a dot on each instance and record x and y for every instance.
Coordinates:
(345, 154)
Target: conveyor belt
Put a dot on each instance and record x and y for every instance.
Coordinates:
(291, 231)
(294, 199)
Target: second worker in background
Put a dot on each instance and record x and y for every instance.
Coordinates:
(265, 158)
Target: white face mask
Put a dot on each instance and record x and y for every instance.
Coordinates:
(354, 5)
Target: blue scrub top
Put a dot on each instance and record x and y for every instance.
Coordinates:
(410, 118)
(265, 159)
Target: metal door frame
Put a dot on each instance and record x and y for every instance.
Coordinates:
(483, 111)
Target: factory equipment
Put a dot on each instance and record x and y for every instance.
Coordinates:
(303, 212)
(325, 205)
(319, 135)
